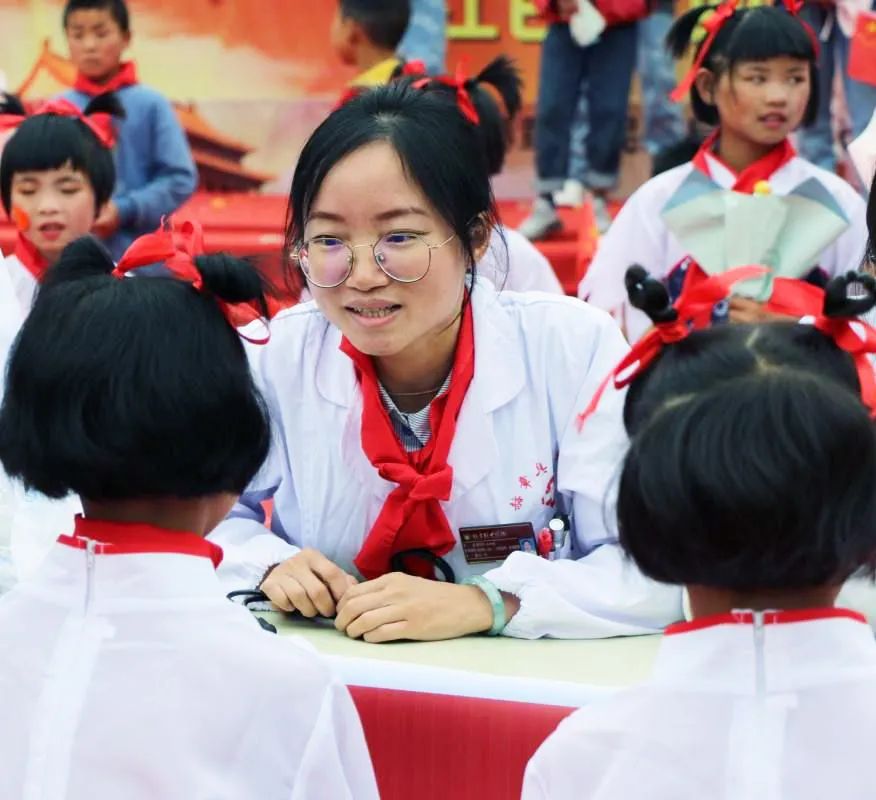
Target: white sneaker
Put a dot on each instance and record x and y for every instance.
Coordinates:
(542, 220)
(572, 195)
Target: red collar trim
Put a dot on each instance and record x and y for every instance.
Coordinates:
(128, 538)
(31, 258)
(769, 618)
(126, 76)
(760, 171)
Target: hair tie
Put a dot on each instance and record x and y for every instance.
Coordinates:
(99, 124)
(693, 311)
(463, 98)
(712, 26)
(177, 246)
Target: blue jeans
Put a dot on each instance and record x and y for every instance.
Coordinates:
(816, 141)
(426, 36)
(602, 73)
(663, 122)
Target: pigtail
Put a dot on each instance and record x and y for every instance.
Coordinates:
(504, 76)
(839, 303)
(232, 280)
(11, 104)
(85, 257)
(106, 103)
(681, 34)
(649, 295)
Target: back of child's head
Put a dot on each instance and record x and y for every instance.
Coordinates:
(48, 141)
(117, 9)
(497, 95)
(384, 22)
(766, 482)
(709, 358)
(757, 33)
(133, 388)
(438, 147)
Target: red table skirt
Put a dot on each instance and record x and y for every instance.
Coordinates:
(434, 746)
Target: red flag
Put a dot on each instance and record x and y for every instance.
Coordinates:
(862, 55)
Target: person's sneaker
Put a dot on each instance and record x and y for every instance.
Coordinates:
(600, 212)
(572, 195)
(542, 220)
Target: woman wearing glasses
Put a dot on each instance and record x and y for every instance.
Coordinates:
(424, 425)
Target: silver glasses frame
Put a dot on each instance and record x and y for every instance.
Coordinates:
(352, 260)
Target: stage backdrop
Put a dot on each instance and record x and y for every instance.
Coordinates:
(252, 78)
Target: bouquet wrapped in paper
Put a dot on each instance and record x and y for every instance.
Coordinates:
(722, 229)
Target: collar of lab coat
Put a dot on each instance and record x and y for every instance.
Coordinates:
(500, 375)
(789, 655)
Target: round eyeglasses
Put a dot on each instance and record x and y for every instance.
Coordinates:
(328, 261)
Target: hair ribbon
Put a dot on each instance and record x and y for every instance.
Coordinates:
(177, 246)
(457, 82)
(99, 124)
(693, 311)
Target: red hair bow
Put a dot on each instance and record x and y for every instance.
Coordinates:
(100, 125)
(712, 25)
(414, 69)
(463, 98)
(177, 246)
(693, 312)
(858, 339)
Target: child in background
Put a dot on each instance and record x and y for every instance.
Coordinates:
(512, 262)
(56, 177)
(132, 675)
(757, 80)
(155, 170)
(366, 34)
(767, 506)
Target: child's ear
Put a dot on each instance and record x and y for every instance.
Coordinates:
(705, 85)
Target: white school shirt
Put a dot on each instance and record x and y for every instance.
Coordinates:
(515, 264)
(639, 236)
(517, 456)
(135, 678)
(17, 290)
(783, 711)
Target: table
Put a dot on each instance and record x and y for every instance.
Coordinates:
(460, 719)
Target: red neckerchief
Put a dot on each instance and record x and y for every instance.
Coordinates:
(761, 170)
(412, 516)
(128, 538)
(743, 617)
(126, 76)
(31, 258)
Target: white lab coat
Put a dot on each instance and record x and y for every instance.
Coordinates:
(142, 682)
(638, 235)
(732, 712)
(515, 264)
(538, 360)
(17, 290)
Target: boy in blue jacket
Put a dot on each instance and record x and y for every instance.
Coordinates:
(154, 167)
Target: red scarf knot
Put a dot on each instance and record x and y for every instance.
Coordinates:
(712, 25)
(411, 517)
(463, 98)
(761, 170)
(693, 312)
(177, 246)
(101, 125)
(126, 76)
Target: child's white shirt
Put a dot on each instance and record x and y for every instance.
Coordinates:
(639, 236)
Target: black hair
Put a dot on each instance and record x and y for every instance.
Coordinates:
(384, 21)
(751, 34)
(49, 141)
(871, 224)
(495, 125)
(764, 482)
(133, 388)
(117, 8)
(438, 147)
(714, 356)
